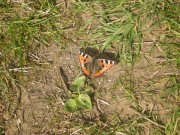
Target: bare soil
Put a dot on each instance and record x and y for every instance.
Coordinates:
(41, 107)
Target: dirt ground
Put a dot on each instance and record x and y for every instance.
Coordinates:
(121, 95)
(42, 97)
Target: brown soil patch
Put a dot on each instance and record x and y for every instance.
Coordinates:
(41, 110)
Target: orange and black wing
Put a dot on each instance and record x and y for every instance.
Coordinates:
(105, 65)
(84, 59)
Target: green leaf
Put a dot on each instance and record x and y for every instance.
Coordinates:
(88, 90)
(78, 83)
(71, 105)
(84, 101)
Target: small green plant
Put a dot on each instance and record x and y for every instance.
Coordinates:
(81, 95)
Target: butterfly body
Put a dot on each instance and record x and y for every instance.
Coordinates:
(92, 66)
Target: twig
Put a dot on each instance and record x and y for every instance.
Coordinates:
(17, 87)
(63, 83)
(98, 107)
(153, 122)
(120, 133)
(102, 101)
(18, 98)
(25, 69)
(76, 131)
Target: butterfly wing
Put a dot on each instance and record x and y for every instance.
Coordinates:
(93, 66)
(84, 59)
(105, 65)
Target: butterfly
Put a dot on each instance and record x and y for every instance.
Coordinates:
(94, 66)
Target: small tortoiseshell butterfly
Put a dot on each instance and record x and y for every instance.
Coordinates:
(94, 66)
